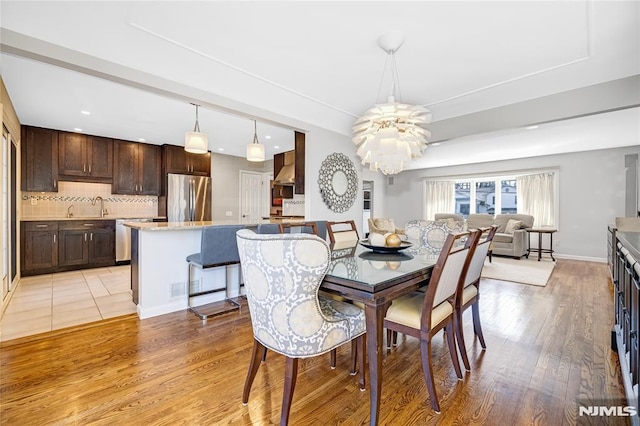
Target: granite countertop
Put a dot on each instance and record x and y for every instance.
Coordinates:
(631, 241)
(48, 219)
(176, 226)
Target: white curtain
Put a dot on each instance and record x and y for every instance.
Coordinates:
(439, 197)
(536, 197)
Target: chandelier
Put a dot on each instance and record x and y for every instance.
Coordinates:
(389, 135)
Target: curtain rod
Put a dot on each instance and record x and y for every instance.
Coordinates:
(496, 174)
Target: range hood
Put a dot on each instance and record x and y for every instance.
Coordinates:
(288, 172)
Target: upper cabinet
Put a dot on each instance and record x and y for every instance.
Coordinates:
(299, 165)
(85, 158)
(136, 168)
(39, 159)
(177, 160)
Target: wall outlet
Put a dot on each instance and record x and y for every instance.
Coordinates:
(229, 213)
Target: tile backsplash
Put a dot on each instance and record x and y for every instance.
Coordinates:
(80, 195)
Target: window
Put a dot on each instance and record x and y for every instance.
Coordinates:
(480, 196)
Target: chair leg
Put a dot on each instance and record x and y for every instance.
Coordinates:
(425, 355)
(253, 369)
(264, 355)
(333, 359)
(457, 325)
(452, 350)
(291, 372)
(361, 344)
(477, 328)
(354, 357)
(389, 333)
(394, 339)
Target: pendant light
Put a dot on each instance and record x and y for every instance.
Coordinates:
(196, 142)
(391, 134)
(255, 150)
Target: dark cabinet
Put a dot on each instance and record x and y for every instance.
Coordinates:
(136, 168)
(39, 159)
(67, 245)
(85, 158)
(299, 165)
(177, 160)
(39, 247)
(87, 243)
(74, 248)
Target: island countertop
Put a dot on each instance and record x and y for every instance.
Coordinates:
(174, 226)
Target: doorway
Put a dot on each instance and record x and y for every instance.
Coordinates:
(251, 197)
(367, 207)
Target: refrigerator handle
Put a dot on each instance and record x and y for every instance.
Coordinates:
(192, 201)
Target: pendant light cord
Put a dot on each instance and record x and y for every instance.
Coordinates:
(196, 128)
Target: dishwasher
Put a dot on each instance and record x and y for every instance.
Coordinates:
(123, 239)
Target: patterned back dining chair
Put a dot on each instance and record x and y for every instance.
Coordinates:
(282, 276)
(423, 314)
(469, 294)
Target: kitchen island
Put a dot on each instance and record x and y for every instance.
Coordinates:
(159, 268)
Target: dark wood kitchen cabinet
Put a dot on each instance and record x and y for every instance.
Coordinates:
(299, 165)
(89, 243)
(85, 158)
(39, 159)
(65, 245)
(177, 160)
(136, 168)
(39, 247)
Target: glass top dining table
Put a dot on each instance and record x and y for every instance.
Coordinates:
(375, 279)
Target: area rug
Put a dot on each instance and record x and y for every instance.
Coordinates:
(524, 271)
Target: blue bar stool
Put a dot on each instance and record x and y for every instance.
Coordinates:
(218, 248)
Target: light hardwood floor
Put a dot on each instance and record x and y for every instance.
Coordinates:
(547, 349)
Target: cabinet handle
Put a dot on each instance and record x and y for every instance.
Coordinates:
(54, 238)
(85, 236)
(88, 224)
(140, 188)
(42, 226)
(84, 168)
(55, 183)
(91, 237)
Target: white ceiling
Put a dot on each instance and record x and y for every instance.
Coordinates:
(137, 65)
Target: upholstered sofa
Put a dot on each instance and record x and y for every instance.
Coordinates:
(511, 237)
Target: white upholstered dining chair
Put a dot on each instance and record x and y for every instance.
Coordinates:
(282, 275)
(423, 314)
(469, 294)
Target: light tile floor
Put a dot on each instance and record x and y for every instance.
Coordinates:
(53, 301)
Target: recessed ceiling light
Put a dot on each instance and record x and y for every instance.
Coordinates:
(535, 126)
(142, 140)
(85, 112)
(220, 149)
(75, 129)
(435, 144)
(267, 137)
(276, 147)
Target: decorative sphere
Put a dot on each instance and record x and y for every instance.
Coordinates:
(393, 265)
(393, 240)
(376, 239)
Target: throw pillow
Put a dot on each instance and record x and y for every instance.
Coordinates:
(512, 225)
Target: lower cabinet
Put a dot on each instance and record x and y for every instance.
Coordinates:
(67, 245)
(626, 279)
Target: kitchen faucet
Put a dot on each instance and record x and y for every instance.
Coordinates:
(70, 211)
(103, 211)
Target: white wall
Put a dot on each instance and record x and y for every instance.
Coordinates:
(225, 183)
(319, 144)
(591, 195)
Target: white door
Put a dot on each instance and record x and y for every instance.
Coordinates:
(251, 197)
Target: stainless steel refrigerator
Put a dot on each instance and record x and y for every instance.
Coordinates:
(188, 198)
